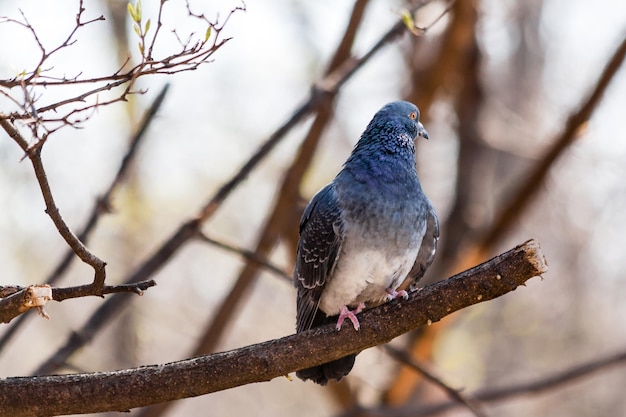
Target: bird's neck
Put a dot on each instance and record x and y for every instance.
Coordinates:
(381, 168)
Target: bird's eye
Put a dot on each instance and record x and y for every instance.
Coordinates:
(413, 115)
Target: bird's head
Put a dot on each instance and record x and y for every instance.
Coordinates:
(403, 113)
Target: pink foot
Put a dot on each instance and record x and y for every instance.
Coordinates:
(393, 294)
(347, 314)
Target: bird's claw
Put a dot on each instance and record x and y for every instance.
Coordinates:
(393, 294)
(347, 314)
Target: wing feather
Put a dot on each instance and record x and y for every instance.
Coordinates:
(321, 236)
(426, 253)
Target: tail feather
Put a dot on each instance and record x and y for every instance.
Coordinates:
(336, 369)
(321, 374)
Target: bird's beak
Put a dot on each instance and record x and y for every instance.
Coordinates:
(421, 131)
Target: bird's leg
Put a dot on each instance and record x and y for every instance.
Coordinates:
(393, 294)
(347, 314)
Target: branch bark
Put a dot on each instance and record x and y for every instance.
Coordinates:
(138, 387)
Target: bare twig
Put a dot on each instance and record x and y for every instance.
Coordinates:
(52, 210)
(73, 110)
(60, 294)
(101, 206)
(122, 390)
(36, 296)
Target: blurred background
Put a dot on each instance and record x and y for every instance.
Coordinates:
(496, 82)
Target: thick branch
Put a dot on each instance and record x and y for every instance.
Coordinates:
(138, 387)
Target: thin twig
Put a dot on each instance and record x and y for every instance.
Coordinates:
(52, 210)
(188, 58)
(61, 294)
(17, 300)
(101, 206)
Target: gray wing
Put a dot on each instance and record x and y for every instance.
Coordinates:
(426, 253)
(321, 235)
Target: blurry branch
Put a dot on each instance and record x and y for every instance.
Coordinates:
(540, 386)
(469, 104)
(138, 387)
(532, 184)
(101, 206)
(36, 296)
(251, 256)
(405, 358)
(189, 229)
(25, 89)
(442, 73)
(453, 72)
(407, 18)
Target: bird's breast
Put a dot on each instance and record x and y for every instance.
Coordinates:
(379, 248)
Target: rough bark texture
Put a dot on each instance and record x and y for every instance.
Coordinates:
(137, 387)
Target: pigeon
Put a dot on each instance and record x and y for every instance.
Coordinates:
(365, 233)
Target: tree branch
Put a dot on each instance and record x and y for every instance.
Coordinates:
(531, 185)
(138, 387)
(75, 109)
(249, 255)
(17, 300)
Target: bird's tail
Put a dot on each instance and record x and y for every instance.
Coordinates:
(321, 374)
(336, 369)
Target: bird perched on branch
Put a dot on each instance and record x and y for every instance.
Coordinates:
(366, 232)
